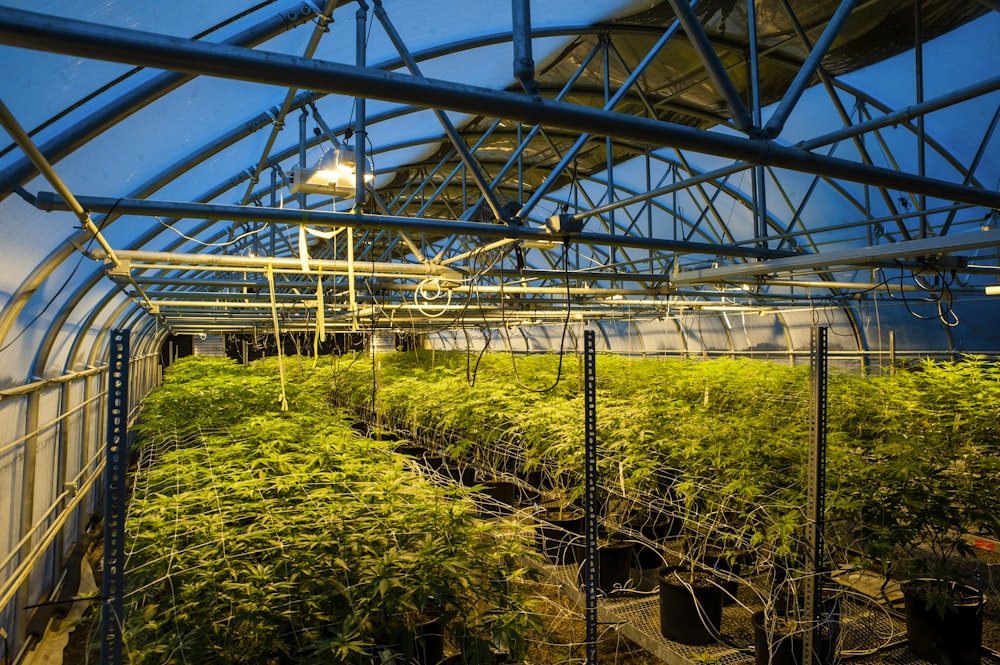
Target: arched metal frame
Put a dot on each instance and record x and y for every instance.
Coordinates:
(659, 246)
(700, 188)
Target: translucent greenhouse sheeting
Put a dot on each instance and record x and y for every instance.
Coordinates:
(135, 155)
(116, 131)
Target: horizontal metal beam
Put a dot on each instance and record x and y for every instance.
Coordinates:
(326, 218)
(904, 114)
(45, 32)
(860, 256)
(366, 268)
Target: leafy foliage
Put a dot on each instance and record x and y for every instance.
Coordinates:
(268, 537)
(912, 456)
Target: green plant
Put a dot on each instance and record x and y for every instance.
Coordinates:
(284, 536)
(924, 474)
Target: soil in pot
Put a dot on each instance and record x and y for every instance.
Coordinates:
(954, 636)
(690, 605)
(559, 534)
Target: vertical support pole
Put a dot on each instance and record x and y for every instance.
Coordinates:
(816, 491)
(590, 493)
(757, 180)
(112, 603)
(647, 153)
(303, 134)
(23, 598)
(360, 129)
(272, 230)
(918, 55)
(892, 352)
(524, 62)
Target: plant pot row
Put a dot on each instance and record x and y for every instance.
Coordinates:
(940, 628)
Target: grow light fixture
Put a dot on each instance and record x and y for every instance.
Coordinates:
(334, 173)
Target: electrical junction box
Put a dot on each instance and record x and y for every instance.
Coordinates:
(563, 224)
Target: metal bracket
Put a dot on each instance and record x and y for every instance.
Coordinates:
(124, 268)
(293, 16)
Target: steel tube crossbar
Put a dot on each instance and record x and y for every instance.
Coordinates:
(905, 114)
(116, 110)
(847, 257)
(326, 218)
(236, 261)
(713, 65)
(82, 39)
(808, 69)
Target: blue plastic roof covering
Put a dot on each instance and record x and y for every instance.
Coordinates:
(139, 148)
(38, 86)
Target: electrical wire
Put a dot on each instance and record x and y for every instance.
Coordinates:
(939, 296)
(562, 341)
(228, 243)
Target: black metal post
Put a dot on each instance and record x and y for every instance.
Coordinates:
(590, 493)
(116, 455)
(816, 491)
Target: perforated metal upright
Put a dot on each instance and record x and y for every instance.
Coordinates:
(116, 452)
(816, 491)
(590, 505)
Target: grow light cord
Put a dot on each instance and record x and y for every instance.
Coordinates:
(939, 296)
(562, 340)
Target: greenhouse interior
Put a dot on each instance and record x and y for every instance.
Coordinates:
(386, 331)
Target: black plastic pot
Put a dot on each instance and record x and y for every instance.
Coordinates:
(956, 636)
(500, 497)
(690, 608)
(655, 526)
(559, 534)
(428, 643)
(488, 659)
(466, 475)
(534, 478)
(773, 647)
(728, 567)
(614, 561)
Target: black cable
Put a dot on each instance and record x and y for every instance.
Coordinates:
(941, 297)
(488, 336)
(562, 341)
(474, 277)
